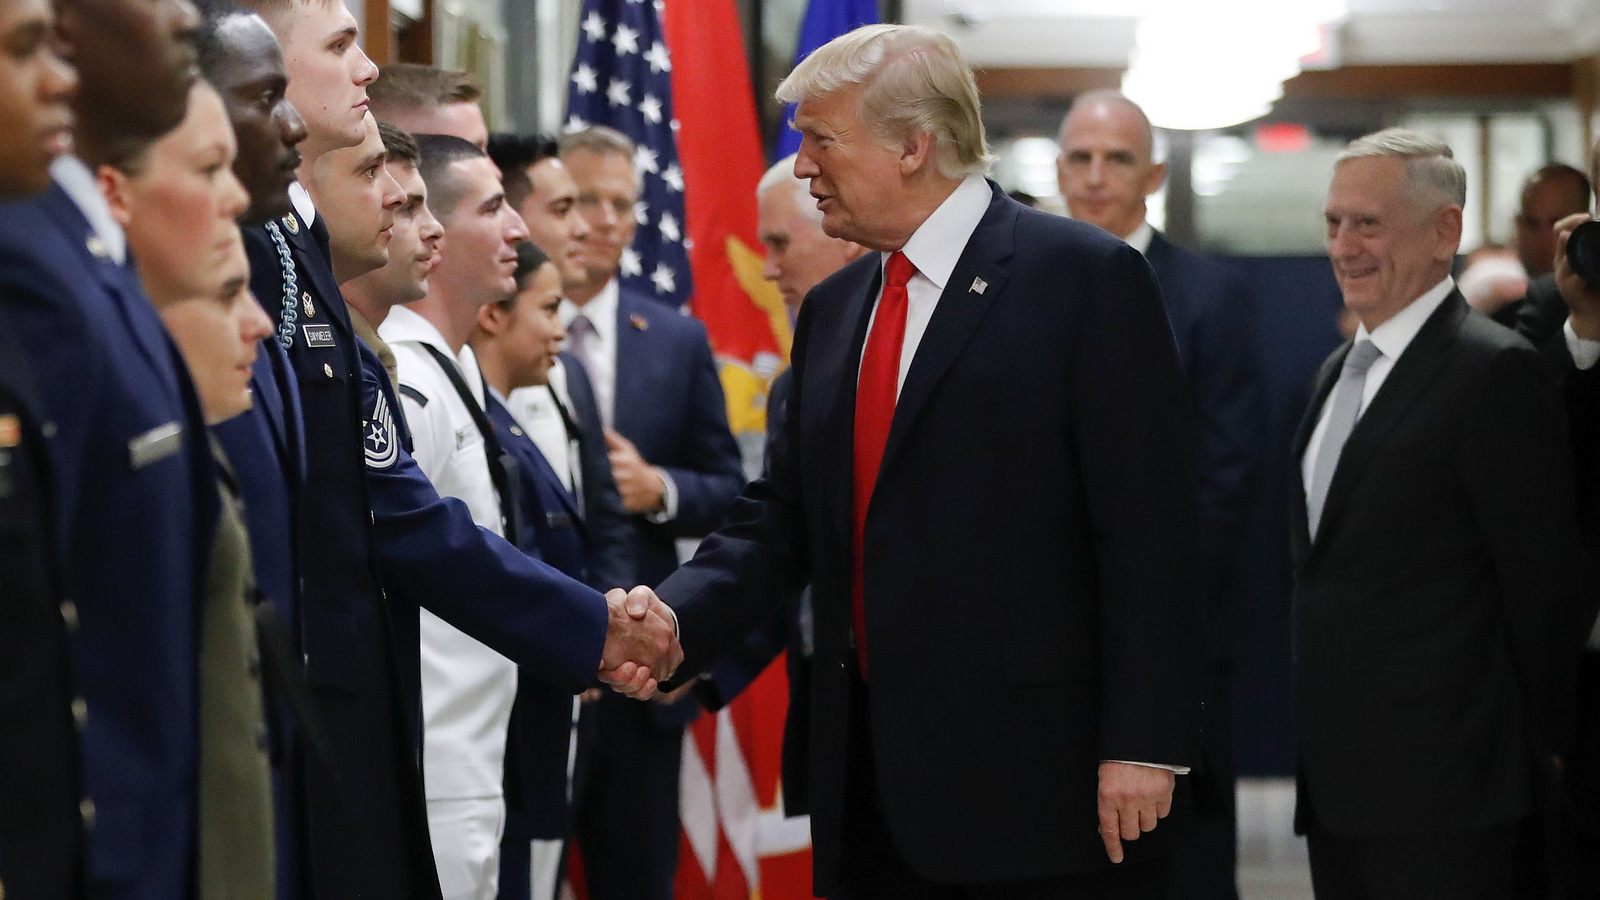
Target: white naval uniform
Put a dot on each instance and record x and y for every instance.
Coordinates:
(467, 688)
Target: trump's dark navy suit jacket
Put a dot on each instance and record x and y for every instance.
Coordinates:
(1031, 569)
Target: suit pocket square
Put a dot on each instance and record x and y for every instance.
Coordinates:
(155, 445)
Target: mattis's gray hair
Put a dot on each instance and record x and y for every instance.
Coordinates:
(1431, 171)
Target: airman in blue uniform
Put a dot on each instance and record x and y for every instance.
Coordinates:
(41, 781)
(131, 469)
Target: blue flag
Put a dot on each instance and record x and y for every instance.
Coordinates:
(825, 20)
(622, 77)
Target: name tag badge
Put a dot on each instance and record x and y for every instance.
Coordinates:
(155, 445)
(318, 335)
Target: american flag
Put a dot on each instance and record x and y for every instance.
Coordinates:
(622, 77)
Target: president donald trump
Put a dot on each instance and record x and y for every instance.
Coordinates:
(988, 476)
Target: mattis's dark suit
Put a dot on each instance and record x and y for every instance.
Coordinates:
(668, 401)
(41, 780)
(136, 501)
(1213, 316)
(1031, 572)
(1439, 612)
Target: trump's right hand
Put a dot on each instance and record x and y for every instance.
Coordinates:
(641, 647)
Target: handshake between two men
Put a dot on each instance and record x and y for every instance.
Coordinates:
(642, 648)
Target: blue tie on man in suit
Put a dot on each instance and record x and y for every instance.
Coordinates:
(1005, 679)
(678, 470)
(127, 439)
(1105, 171)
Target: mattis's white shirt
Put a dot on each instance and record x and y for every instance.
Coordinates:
(1391, 338)
(467, 688)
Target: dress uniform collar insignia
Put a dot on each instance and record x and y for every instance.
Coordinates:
(97, 248)
(291, 223)
(639, 323)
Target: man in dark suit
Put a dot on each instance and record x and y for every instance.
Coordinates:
(561, 414)
(1106, 170)
(988, 477)
(1438, 603)
(41, 778)
(678, 469)
(126, 439)
(1572, 348)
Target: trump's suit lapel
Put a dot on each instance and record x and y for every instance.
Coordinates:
(1407, 382)
(840, 367)
(961, 307)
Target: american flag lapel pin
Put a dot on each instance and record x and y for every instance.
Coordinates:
(979, 286)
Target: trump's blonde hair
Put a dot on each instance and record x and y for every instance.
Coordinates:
(913, 80)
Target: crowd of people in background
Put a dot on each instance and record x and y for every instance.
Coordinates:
(342, 486)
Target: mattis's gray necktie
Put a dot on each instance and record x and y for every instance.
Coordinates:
(1342, 414)
(582, 336)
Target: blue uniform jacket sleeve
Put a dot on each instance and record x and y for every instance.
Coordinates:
(433, 555)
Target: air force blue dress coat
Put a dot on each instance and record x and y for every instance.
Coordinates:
(366, 822)
(1032, 559)
(367, 508)
(137, 504)
(41, 782)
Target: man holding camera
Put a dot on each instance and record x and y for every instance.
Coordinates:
(1574, 352)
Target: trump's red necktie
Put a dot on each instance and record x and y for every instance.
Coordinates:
(876, 390)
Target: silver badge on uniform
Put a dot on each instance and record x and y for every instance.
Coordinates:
(378, 439)
(308, 306)
(291, 223)
(155, 445)
(318, 335)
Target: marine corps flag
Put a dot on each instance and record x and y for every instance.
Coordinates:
(736, 842)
